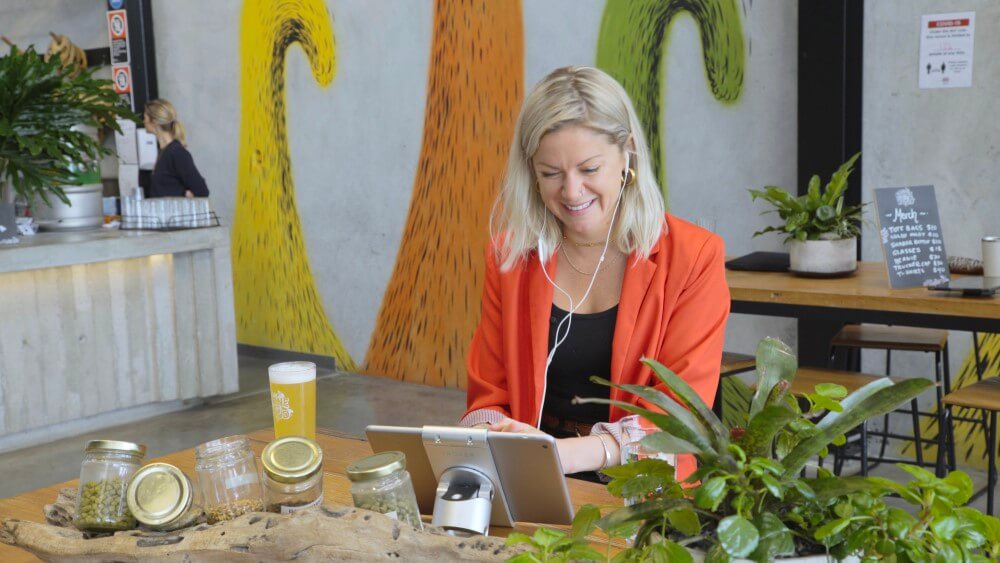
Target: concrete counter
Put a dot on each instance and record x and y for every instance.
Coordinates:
(108, 326)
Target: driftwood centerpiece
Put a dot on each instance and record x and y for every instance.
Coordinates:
(325, 533)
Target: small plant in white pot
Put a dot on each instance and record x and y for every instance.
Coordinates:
(821, 230)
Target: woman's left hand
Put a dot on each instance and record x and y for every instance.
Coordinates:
(570, 454)
(511, 425)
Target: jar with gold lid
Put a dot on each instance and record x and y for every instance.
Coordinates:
(381, 483)
(293, 474)
(104, 476)
(162, 498)
(228, 478)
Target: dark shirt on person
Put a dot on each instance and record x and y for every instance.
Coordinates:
(585, 352)
(175, 173)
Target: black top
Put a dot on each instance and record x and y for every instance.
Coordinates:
(175, 172)
(585, 352)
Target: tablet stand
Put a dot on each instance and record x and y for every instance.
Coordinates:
(464, 501)
(469, 494)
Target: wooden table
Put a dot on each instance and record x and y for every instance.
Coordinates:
(824, 305)
(338, 451)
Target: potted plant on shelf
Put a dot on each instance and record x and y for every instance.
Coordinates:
(749, 498)
(45, 147)
(821, 230)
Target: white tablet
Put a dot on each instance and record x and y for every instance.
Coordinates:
(524, 468)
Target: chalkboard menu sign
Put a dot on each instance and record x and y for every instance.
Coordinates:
(910, 229)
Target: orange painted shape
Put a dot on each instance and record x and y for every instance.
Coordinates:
(431, 305)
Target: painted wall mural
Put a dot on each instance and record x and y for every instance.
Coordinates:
(277, 302)
(431, 305)
(970, 437)
(631, 47)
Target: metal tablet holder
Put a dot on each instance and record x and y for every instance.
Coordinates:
(469, 495)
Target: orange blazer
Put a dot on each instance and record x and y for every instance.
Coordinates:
(673, 308)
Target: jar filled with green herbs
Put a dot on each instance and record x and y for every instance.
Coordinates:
(104, 477)
(381, 483)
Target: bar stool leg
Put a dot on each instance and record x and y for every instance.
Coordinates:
(717, 407)
(943, 365)
(991, 479)
(885, 418)
(917, 440)
(943, 412)
(864, 449)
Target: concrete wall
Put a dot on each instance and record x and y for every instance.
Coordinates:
(949, 138)
(355, 145)
(946, 137)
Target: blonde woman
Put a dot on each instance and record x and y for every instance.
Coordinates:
(579, 226)
(174, 174)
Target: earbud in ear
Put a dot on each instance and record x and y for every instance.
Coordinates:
(628, 175)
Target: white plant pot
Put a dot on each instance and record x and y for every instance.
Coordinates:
(85, 213)
(823, 258)
(699, 557)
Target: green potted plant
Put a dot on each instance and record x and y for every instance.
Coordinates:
(821, 230)
(46, 149)
(749, 498)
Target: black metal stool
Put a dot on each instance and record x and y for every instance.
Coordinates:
(985, 396)
(854, 338)
(805, 382)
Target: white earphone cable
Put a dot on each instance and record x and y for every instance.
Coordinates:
(568, 319)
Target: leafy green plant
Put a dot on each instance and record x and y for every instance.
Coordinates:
(749, 497)
(40, 102)
(938, 528)
(557, 546)
(818, 214)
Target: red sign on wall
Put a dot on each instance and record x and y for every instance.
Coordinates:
(118, 36)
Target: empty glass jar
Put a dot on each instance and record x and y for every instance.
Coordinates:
(382, 484)
(228, 478)
(104, 477)
(293, 474)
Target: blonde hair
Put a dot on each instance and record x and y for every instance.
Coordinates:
(163, 115)
(588, 97)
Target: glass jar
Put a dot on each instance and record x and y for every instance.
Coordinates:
(162, 498)
(228, 478)
(381, 483)
(104, 476)
(293, 475)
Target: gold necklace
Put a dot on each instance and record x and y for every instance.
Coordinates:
(579, 271)
(583, 244)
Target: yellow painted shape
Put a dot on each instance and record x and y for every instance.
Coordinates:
(277, 303)
(970, 437)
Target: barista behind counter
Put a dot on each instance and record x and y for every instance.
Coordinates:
(174, 174)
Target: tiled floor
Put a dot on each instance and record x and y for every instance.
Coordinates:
(345, 402)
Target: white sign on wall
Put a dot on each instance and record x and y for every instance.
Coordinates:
(946, 50)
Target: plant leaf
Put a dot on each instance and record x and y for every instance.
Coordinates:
(585, 520)
(737, 535)
(882, 401)
(775, 362)
(642, 511)
(690, 399)
(682, 423)
(710, 493)
(763, 427)
(685, 521)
